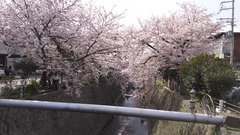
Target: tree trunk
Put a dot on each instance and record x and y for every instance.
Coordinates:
(43, 81)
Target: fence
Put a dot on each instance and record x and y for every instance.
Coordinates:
(228, 106)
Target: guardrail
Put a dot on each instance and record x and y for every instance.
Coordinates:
(114, 110)
(227, 105)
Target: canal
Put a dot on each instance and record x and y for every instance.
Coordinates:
(123, 125)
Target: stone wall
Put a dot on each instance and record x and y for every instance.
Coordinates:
(15, 121)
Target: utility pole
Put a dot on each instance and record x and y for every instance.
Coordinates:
(231, 22)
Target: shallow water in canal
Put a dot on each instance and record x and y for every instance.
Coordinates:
(124, 125)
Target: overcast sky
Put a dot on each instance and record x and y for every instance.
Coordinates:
(144, 9)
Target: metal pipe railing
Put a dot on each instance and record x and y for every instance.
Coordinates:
(114, 110)
(228, 106)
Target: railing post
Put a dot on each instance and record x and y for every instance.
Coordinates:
(21, 92)
(221, 105)
(218, 130)
(192, 101)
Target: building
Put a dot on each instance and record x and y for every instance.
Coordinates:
(217, 45)
(3, 56)
(8, 56)
(223, 42)
(227, 48)
(236, 56)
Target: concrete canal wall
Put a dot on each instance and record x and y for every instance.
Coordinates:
(40, 122)
(168, 100)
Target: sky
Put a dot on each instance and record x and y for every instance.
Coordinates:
(144, 9)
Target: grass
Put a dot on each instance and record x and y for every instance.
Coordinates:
(233, 129)
(171, 101)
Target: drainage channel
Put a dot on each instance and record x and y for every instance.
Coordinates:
(123, 125)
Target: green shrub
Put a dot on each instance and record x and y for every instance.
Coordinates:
(102, 79)
(27, 66)
(84, 82)
(207, 74)
(33, 87)
(8, 89)
(70, 83)
(29, 97)
(159, 84)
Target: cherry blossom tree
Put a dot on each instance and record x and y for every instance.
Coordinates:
(62, 35)
(81, 39)
(164, 42)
